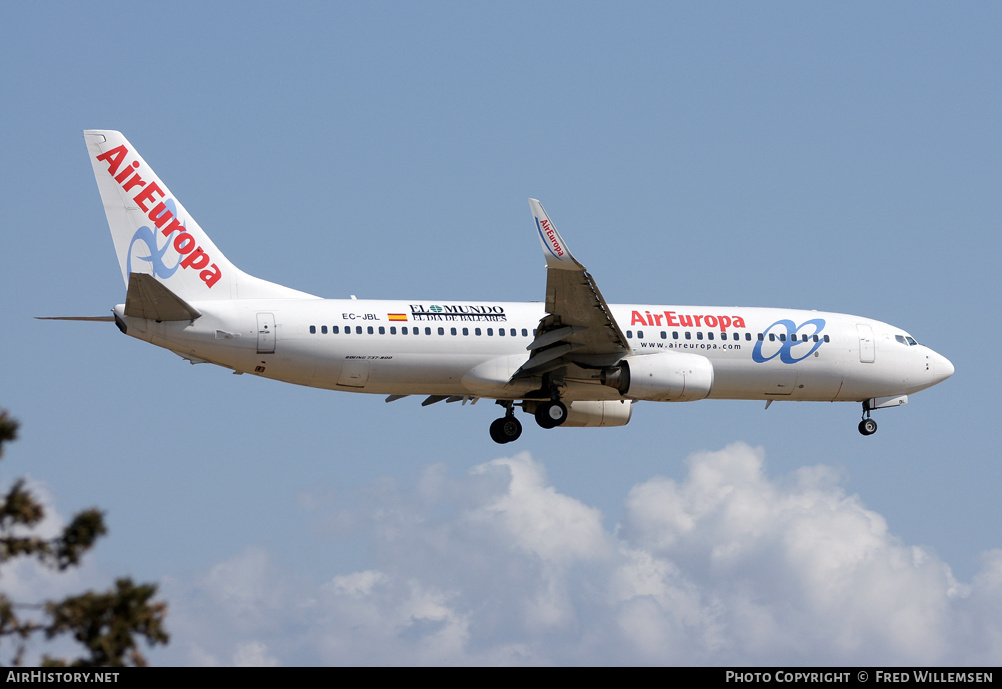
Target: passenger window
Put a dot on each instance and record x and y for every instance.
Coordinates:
(826, 339)
(748, 337)
(709, 336)
(452, 330)
(441, 331)
(688, 335)
(477, 331)
(501, 332)
(323, 329)
(513, 332)
(699, 335)
(640, 334)
(427, 331)
(403, 330)
(382, 330)
(772, 337)
(466, 331)
(369, 329)
(313, 330)
(490, 332)
(358, 330)
(393, 330)
(674, 334)
(629, 334)
(664, 335)
(335, 330)
(760, 338)
(525, 333)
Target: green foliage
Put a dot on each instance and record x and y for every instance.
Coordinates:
(106, 624)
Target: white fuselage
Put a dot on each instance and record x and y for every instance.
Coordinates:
(473, 348)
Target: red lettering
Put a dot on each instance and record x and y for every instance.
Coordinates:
(196, 259)
(184, 243)
(174, 226)
(134, 181)
(114, 158)
(120, 177)
(673, 319)
(146, 196)
(210, 276)
(552, 237)
(160, 215)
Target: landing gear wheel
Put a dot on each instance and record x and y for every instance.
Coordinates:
(551, 414)
(506, 429)
(867, 426)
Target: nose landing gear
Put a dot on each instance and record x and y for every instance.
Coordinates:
(867, 426)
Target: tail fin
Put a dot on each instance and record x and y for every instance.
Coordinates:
(154, 235)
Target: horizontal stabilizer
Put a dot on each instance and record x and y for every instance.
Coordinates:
(102, 319)
(148, 298)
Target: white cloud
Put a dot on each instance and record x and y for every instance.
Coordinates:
(727, 566)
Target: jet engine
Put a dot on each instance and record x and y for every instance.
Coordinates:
(662, 377)
(598, 413)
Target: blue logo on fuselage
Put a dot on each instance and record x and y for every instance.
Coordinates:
(788, 340)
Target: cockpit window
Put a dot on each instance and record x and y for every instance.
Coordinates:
(901, 339)
(911, 340)
(906, 340)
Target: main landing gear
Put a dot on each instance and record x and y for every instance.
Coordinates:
(549, 414)
(867, 426)
(506, 429)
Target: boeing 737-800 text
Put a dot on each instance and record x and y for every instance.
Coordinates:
(572, 360)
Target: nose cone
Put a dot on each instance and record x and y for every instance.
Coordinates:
(941, 367)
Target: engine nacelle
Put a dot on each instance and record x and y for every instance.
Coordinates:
(662, 377)
(598, 414)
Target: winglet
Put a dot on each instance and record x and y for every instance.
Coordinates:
(554, 247)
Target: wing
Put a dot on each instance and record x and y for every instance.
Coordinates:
(578, 327)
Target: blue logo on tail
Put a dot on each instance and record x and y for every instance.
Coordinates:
(148, 236)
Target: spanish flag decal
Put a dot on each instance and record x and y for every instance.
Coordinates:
(397, 316)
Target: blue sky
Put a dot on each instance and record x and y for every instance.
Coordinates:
(838, 157)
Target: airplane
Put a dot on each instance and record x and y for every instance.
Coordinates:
(573, 360)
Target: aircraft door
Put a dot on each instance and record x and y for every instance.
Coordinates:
(866, 349)
(265, 333)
